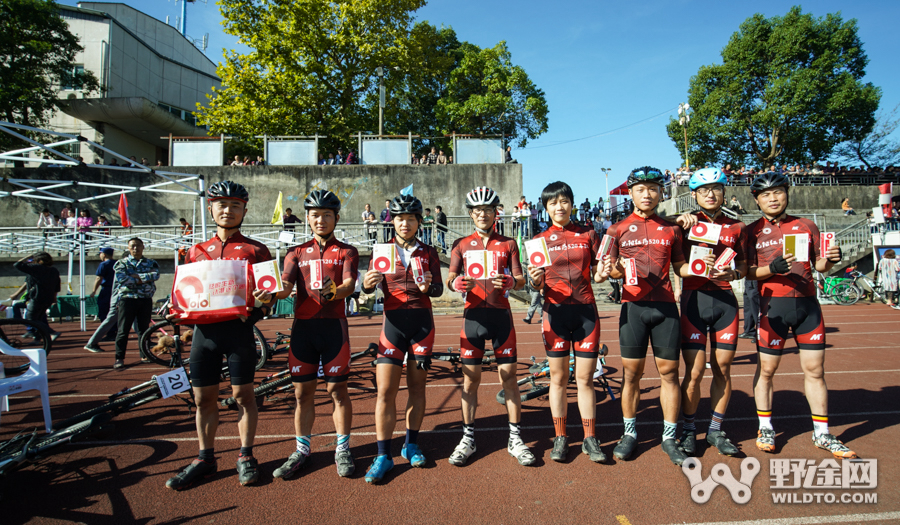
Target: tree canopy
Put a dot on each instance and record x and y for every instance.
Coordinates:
(789, 88)
(37, 56)
(875, 148)
(312, 70)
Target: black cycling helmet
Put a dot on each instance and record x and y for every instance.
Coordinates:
(767, 181)
(406, 204)
(644, 174)
(322, 199)
(227, 190)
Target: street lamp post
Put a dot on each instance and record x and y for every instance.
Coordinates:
(606, 172)
(684, 118)
(380, 72)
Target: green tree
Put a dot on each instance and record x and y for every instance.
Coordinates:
(311, 67)
(37, 56)
(875, 148)
(788, 88)
(487, 94)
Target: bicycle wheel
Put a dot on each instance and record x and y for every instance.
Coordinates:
(258, 392)
(19, 334)
(262, 348)
(845, 294)
(150, 339)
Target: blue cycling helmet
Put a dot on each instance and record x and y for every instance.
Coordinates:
(707, 176)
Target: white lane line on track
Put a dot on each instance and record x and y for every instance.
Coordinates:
(836, 518)
(457, 430)
(459, 385)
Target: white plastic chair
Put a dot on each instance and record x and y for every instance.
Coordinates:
(35, 378)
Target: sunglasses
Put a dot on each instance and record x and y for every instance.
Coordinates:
(648, 175)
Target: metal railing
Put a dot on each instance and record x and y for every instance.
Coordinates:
(168, 239)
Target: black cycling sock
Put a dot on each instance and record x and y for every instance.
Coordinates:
(469, 432)
(412, 436)
(246, 451)
(384, 447)
(207, 454)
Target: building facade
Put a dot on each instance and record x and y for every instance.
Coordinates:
(151, 78)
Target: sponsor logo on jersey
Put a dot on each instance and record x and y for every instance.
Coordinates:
(644, 242)
(727, 336)
(468, 352)
(474, 243)
(816, 337)
(295, 370)
(559, 345)
(506, 351)
(389, 351)
(211, 248)
(769, 243)
(795, 228)
(767, 230)
(775, 342)
(553, 237)
(632, 228)
(334, 370)
(422, 349)
(659, 228)
(336, 248)
(695, 337)
(309, 250)
(586, 346)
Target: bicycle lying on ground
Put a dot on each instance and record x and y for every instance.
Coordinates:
(29, 447)
(537, 383)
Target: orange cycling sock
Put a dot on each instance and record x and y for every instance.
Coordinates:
(559, 423)
(588, 425)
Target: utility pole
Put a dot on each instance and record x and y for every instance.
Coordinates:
(684, 119)
(380, 72)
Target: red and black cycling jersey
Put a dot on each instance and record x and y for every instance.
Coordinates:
(765, 242)
(653, 244)
(733, 235)
(573, 250)
(339, 261)
(235, 248)
(485, 295)
(400, 288)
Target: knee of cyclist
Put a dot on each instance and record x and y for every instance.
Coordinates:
(696, 375)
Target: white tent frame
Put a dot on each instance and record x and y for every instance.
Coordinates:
(40, 189)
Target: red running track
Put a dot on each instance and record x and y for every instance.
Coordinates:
(119, 476)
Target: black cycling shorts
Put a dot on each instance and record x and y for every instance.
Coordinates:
(315, 340)
(709, 311)
(779, 315)
(407, 330)
(645, 322)
(229, 340)
(481, 324)
(567, 324)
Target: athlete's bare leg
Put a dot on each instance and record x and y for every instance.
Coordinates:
(813, 364)
(248, 414)
(720, 390)
(559, 380)
(387, 379)
(511, 390)
(469, 398)
(207, 399)
(670, 391)
(305, 413)
(763, 381)
(343, 409)
(415, 405)
(694, 369)
(584, 379)
(631, 386)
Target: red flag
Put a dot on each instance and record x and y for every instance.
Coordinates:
(123, 211)
(886, 188)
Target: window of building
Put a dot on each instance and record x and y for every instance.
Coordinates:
(71, 80)
(183, 114)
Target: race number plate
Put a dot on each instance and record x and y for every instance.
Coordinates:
(173, 382)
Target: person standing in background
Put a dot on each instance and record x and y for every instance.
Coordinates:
(45, 219)
(136, 278)
(106, 275)
(441, 220)
(42, 283)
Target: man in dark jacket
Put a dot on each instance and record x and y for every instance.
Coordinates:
(387, 233)
(43, 284)
(441, 220)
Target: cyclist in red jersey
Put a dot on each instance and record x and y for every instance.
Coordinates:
(570, 316)
(319, 332)
(231, 339)
(643, 247)
(408, 330)
(788, 303)
(708, 306)
(487, 316)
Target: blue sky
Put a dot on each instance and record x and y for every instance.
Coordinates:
(605, 66)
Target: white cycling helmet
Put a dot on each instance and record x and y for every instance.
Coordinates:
(482, 196)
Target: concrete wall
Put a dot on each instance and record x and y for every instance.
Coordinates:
(354, 185)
